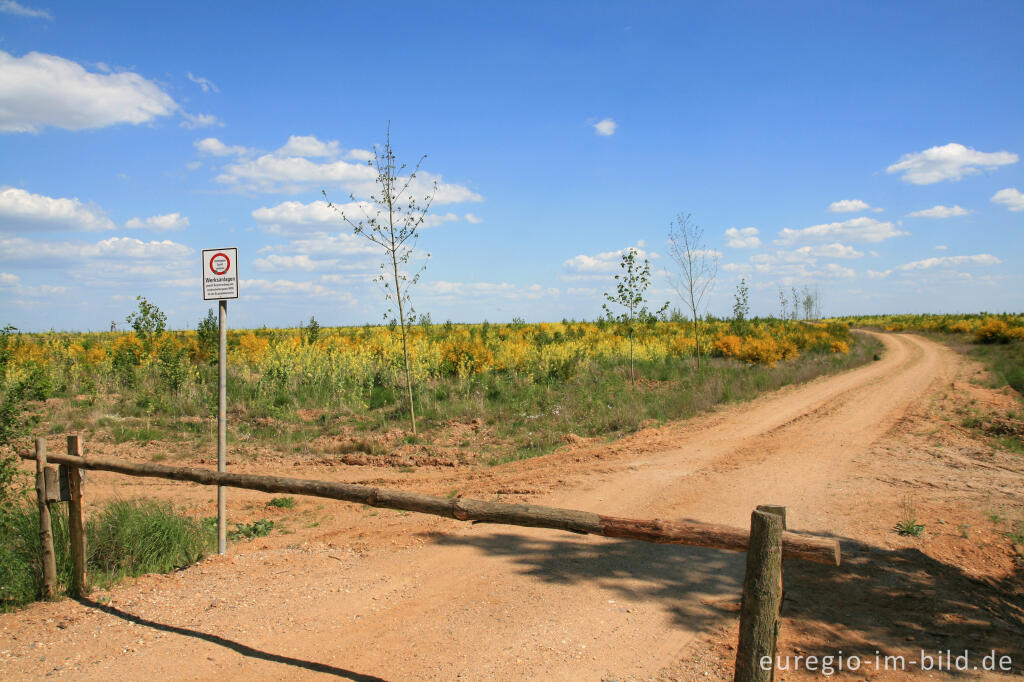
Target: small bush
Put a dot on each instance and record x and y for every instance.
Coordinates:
(282, 502)
(992, 330)
(248, 531)
(21, 570)
(908, 523)
(729, 346)
(134, 537)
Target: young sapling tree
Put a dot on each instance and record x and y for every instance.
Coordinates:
(698, 268)
(630, 288)
(391, 218)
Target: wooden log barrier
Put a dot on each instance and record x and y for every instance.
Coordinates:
(762, 596)
(794, 545)
(45, 528)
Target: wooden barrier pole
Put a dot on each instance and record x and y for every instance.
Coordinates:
(45, 529)
(794, 545)
(762, 595)
(76, 521)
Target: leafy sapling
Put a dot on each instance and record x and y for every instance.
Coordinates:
(630, 288)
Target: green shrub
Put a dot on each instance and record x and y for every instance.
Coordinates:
(248, 531)
(134, 537)
(21, 570)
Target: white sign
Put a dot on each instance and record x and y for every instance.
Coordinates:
(220, 274)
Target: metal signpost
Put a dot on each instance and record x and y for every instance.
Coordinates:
(220, 283)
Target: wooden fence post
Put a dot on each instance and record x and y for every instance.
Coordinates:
(45, 529)
(775, 509)
(762, 596)
(76, 521)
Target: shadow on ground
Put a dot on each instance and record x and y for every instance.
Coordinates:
(896, 600)
(667, 576)
(238, 647)
(905, 601)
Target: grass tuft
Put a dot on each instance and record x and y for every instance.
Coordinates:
(135, 537)
(126, 538)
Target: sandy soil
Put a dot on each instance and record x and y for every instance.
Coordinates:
(372, 594)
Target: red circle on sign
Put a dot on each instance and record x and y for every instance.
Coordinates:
(227, 264)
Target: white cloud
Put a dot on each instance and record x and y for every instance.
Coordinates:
(12, 286)
(855, 230)
(193, 121)
(205, 83)
(285, 287)
(941, 247)
(790, 273)
(939, 212)
(360, 155)
(461, 291)
(737, 267)
(447, 193)
(193, 165)
(943, 262)
(290, 170)
(834, 250)
(308, 145)
(276, 263)
(160, 223)
(271, 173)
(19, 10)
(1010, 197)
(324, 245)
(807, 254)
(22, 211)
(295, 216)
(848, 206)
(317, 213)
(948, 162)
(470, 218)
(104, 262)
(950, 261)
(423, 185)
(603, 263)
(834, 270)
(211, 146)
(745, 238)
(40, 90)
(605, 127)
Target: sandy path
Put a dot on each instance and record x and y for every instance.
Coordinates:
(448, 600)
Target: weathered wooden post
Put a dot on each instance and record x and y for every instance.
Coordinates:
(76, 520)
(762, 596)
(777, 509)
(45, 529)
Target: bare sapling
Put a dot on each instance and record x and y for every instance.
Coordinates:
(391, 218)
(698, 268)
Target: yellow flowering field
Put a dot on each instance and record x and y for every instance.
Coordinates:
(367, 356)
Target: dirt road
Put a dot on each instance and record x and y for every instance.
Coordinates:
(369, 595)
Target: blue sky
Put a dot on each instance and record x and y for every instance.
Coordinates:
(869, 150)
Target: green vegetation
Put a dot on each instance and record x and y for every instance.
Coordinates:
(248, 531)
(125, 538)
(908, 523)
(134, 537)
(282, 502)
(526, 386)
